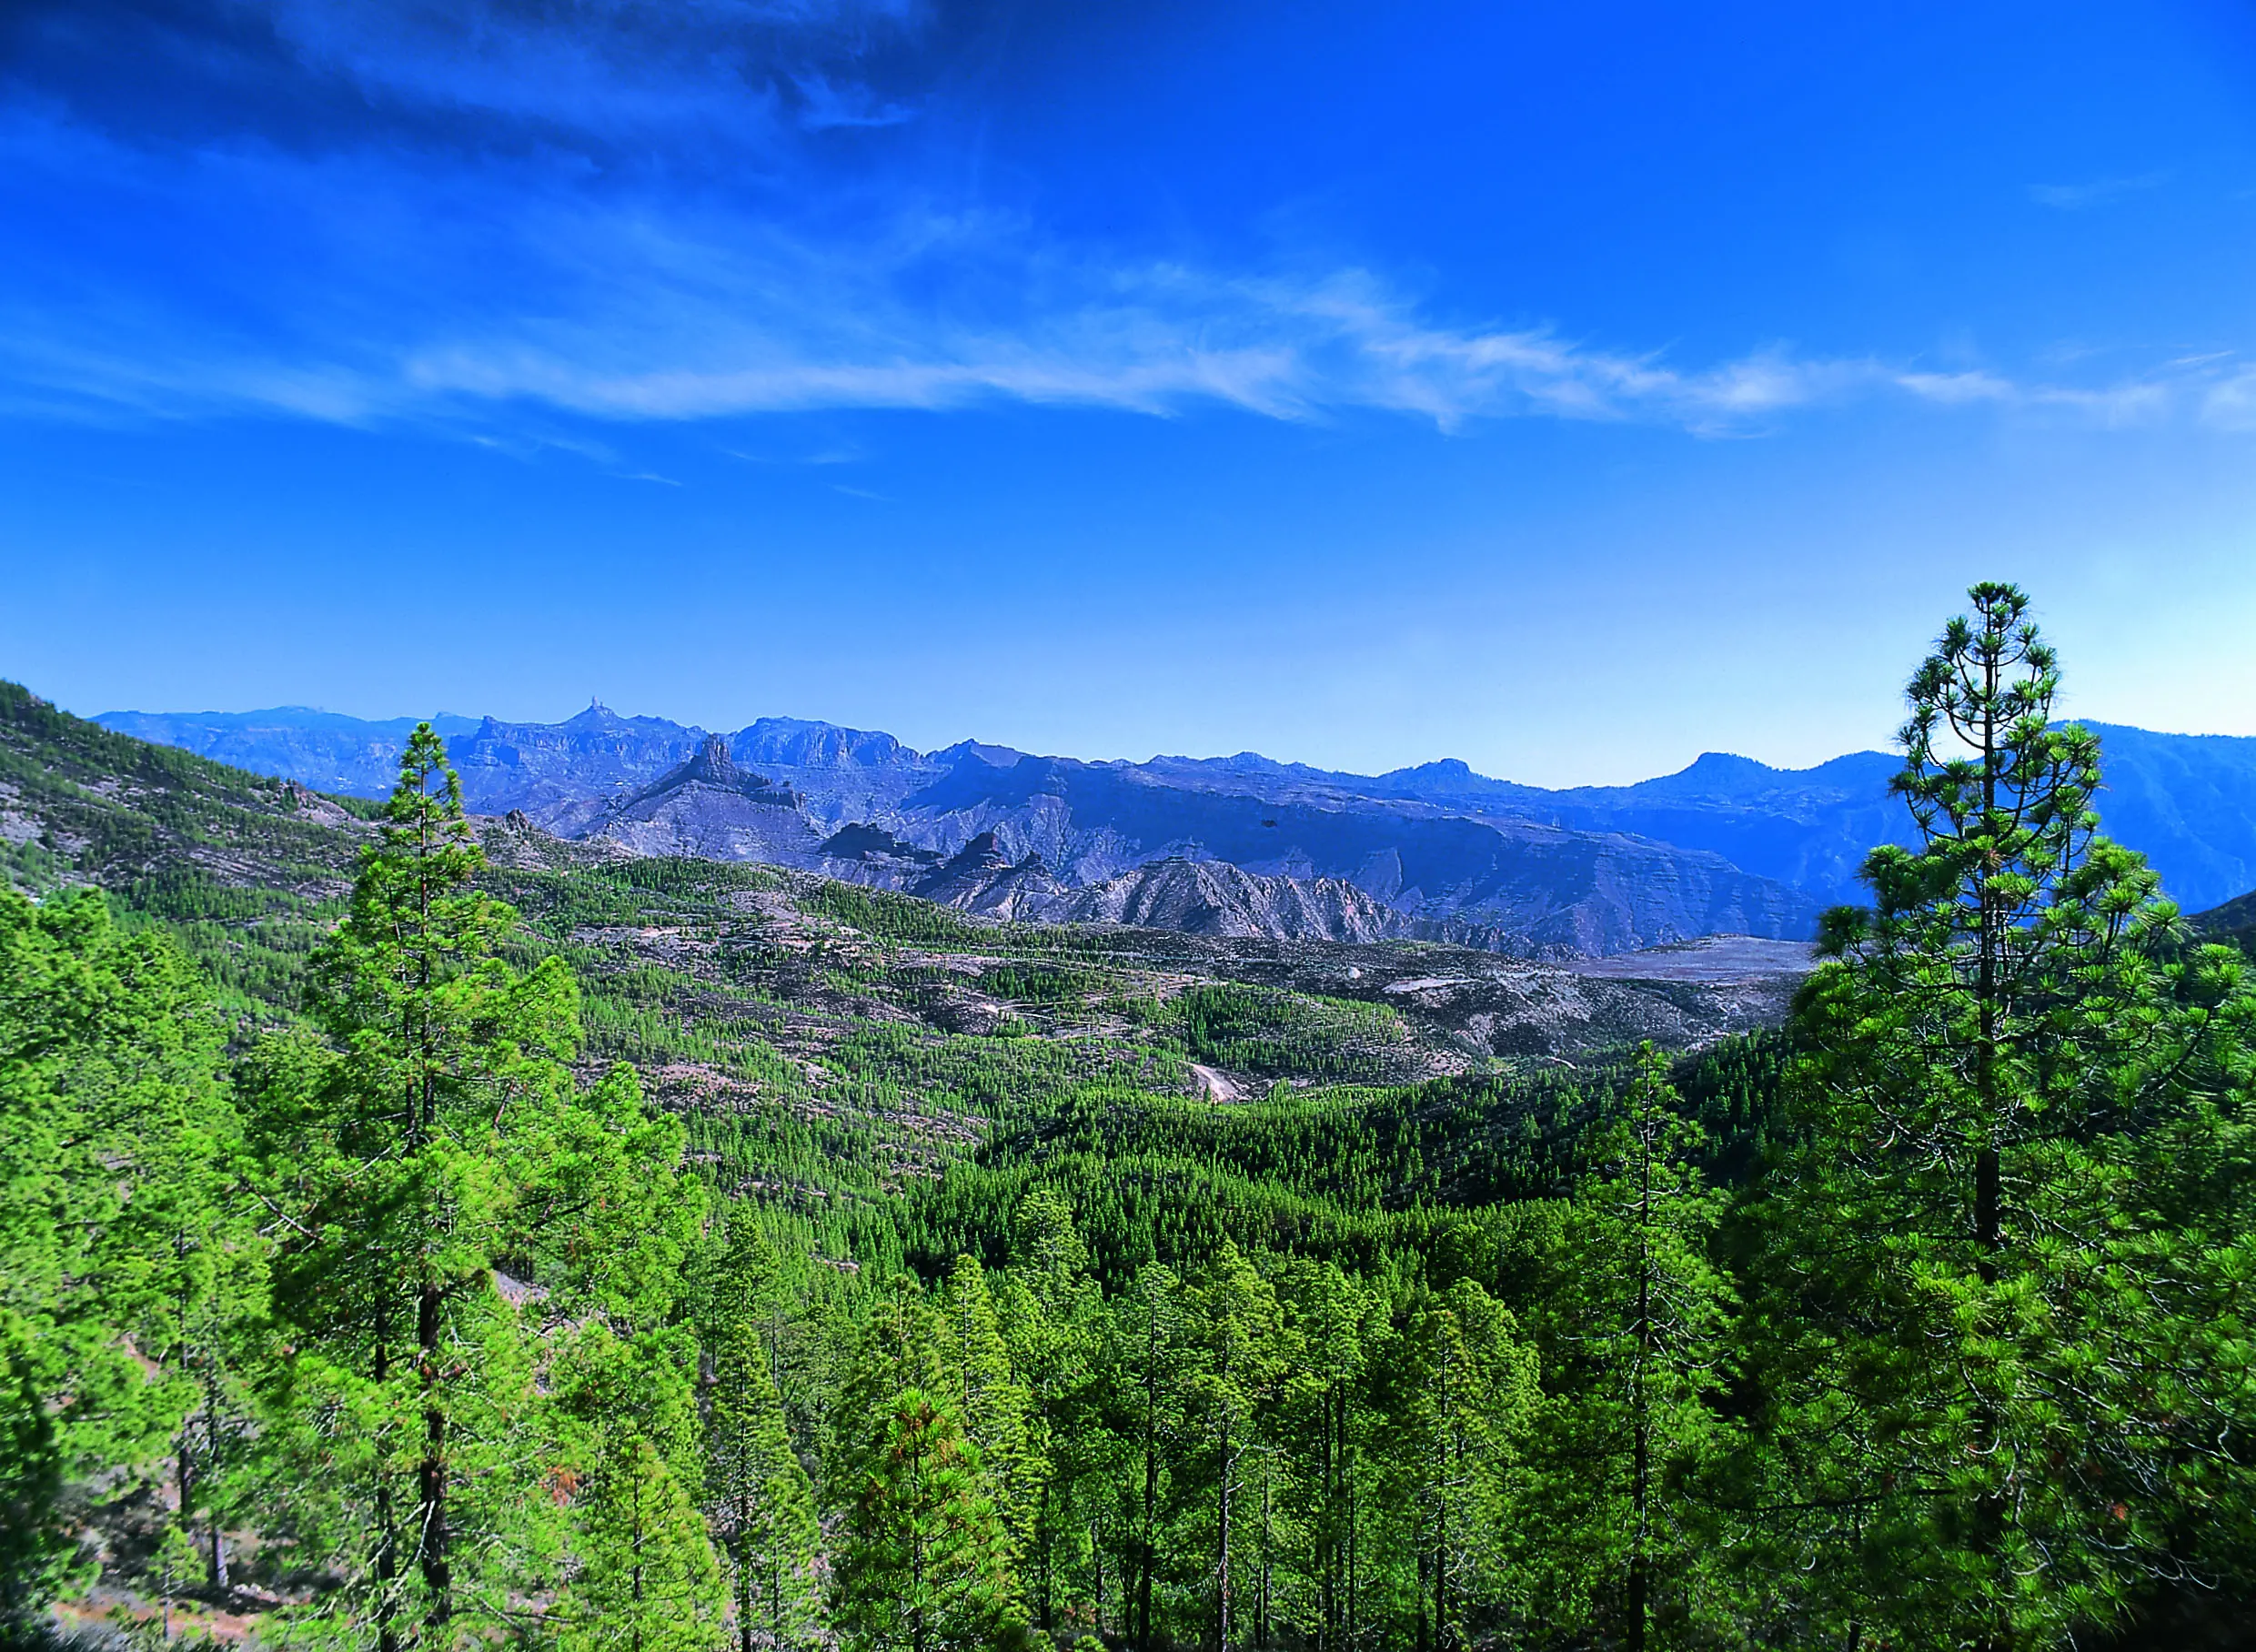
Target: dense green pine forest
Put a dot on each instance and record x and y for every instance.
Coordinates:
(421, 1232)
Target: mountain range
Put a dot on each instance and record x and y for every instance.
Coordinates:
(1237, 845)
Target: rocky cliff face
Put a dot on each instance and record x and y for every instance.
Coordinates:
(1534, 887)
(565, 776)
(1269, 850)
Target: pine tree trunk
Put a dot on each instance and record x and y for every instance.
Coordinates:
(1151, 1496)
(1441, 1512)
(635, 1638)
(1640, 1444)
(1422, 1639)
(387, 1537)
(1261, 1628)
(1042, 1539)
(744, 1593)
(1145, 1558)
(919, 1629)
(1349, 1627)
(1989, 1514)
(211, 1448)
(431, 1472)
(184, 1476)
(1222, 1579)
(1335, 1402)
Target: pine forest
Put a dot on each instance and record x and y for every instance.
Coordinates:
(416, 1236)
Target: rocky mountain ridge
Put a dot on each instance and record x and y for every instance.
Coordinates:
(1726, 845)
(1054, 840)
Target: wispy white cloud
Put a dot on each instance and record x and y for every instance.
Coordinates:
(2097, 192)
(2230, 402)
(1159, 338)
(606, 69)
(826, 105)
(359, 287)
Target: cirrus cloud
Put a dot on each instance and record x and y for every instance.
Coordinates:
(528, 218)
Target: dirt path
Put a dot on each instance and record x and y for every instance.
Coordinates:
(1214, 1086)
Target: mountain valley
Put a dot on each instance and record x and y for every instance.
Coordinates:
(864, 1022)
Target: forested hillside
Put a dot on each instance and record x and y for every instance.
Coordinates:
(422, 1231)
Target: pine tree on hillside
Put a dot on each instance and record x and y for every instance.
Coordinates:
(923, 1566)
(1051, 1315)
(641, 1577)
(1047, 1252)
(1338, 1322)
(1147, 1370)
(432, 1144)
(645, 1579)
(995, 1404)
(1457, 1393)
(1238, 1353)
(1998, 1334)
(116, 1137)
(758, 1498)
(213, 1335)
(1638, 1349)
(901, 1342)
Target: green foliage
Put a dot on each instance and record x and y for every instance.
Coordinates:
(115, 1134)
(924, 1564)
(434, 1143)
(1637, 1337)
(886, 916)
(977, 1311)
(1456, 1396)
(758, 1502)
(1262, 1031)
(642, 1573)
(2000, 1250)
(242, 869)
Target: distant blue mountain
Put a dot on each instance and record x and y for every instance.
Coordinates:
(319, 749)
(1439, 836)
(2186, 801)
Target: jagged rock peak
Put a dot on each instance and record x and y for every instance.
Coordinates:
(859, 841)
(713, 765)
(983, 854)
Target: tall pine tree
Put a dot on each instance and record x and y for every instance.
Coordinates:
(1458, 1393)
(1637, 1344)
(117, 1152)
(1998, 1251)
(430, 1149)
(757, 1495)
(641, 1572)
(923, 1566)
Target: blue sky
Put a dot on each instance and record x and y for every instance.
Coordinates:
(1571, 388)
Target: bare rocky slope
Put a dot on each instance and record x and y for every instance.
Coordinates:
(1216, 898)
